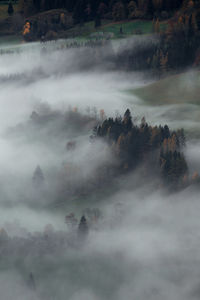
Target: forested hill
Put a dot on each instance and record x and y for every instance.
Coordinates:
(179, 41)
(84, 10)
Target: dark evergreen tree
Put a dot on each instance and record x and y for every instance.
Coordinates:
(127, 120)
(198, 19)
(10, 9)
(80, 13)
(37, 4)
(166, 132)
(83, 229)
(31, 282)
(97, 21)
(150, 9)
(38, 178)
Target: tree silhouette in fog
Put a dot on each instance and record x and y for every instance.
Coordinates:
(31, 282)
(83, 228)
(38, 178)
(10, 9)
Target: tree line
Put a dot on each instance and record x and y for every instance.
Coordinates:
(84, 10)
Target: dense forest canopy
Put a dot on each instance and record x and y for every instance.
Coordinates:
(84, 10)
(112, 8)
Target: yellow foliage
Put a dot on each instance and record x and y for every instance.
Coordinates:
(173, 143)
(165, 145)
(180, 20)
(75, 109)
(27, 28)
(62, 18)
(163, 62)
(157, 26)
(102, 114)
(195, 176)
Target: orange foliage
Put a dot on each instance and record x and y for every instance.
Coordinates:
(195, 176)
(102, 114)
(27, 28)
(75, 109)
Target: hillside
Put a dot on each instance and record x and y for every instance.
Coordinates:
(176, 89)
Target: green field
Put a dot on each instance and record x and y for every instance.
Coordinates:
(82, 30)
(131, 27)
(176, 89)
(128, 28)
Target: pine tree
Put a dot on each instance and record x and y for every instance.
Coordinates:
(150, 9)
(10, 9)
(38, 178)
(31, 282)
(80, 11)
(198, 20)
(97, 21)
(128, 120)
(83, 229)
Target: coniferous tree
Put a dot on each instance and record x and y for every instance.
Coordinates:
(10, 9)
(150, 9)
(38, 178)
(97, 20)
(79, 13)
(83, 229)
(31, 282)
(128, 120)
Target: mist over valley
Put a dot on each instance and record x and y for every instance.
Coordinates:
(99, 152)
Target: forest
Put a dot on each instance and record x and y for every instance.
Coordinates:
(117, 10)
(174, 49)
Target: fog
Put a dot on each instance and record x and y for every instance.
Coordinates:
(145, 244)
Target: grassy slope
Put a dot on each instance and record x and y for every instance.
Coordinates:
(131, 27)
(176, 89)
(128, 27)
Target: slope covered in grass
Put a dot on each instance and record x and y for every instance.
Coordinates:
(176, 89)
(128, 28)
(131, 27)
